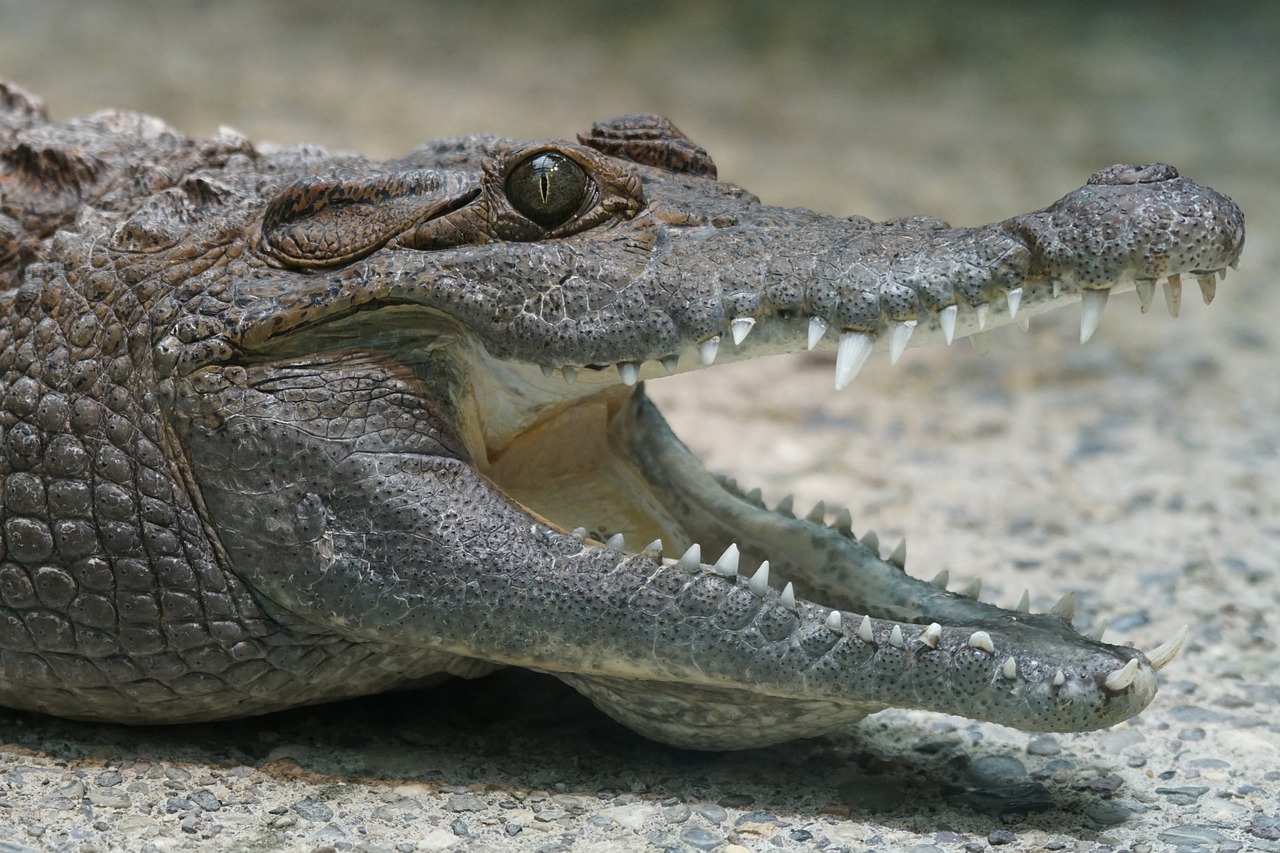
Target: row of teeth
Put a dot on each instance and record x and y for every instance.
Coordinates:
(854, 348)
(727, 566)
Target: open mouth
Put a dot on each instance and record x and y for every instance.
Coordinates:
(604, 467)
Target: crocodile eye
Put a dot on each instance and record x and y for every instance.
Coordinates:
(548, 188)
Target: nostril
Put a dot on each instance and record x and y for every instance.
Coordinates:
(1126, 174)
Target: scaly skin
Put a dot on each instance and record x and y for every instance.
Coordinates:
(280, 428)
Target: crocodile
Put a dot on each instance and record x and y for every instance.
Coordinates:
(283, 426)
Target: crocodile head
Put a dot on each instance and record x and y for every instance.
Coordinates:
(408, 399)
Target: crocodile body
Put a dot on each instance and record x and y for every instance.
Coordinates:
(282, 427)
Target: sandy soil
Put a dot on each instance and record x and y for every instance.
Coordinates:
(1140, 470)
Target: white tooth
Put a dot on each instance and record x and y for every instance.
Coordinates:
(898, 339)
(788, 597)
(653, 549)
(981, 342)
(947, 320)
(740, 328)
(753, 497)
(692, 558)
(786, 506)
(727, 565)
(1208, 287)
(871, 542)
(852, 352)
(616, 542)
(1057, 288)
(1146, 289)
(579, 533)
(844, 521)
(1173, 295)
(895, 638)
(759, 582)
(1009, 669)
(1024, 322)
(930, 636)
(817, 328)
(547, 370)
(670, 363)
(1092, 302)
(707, 351)
(1121, 678)
(834, 621)
(982, 640)
(1161, 655)
(1098, 631)
(974, 589)
(629, 371)
(1222, 273)
(1066, 607)
(983, 310)
(1024, 603)
(570, 374)
(1015, 300)
(941, 579)
(864, 630)
(898, 556)
(1059, 679)
(817, 515)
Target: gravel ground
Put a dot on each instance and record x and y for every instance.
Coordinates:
(1140, 470)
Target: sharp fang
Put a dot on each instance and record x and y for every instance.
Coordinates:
(753, 497)
(629, 371)
(1222, 273)
(570, 374)
(844, 521)
(786, 506)
(930, 636)
(817, 515)
(1092, 302)
(947, 320)
(1024, 322)
(670, 364)
(759, 583)
(895, 638)
(981, 342)
(941, 579)
(974, 589)
(740, 328)
(1173, 295)
(899, 554)
(852, 352)
(871, 542)
(864, 631)
(834, 621)
(817, 328)
(788, 597)
(707, 351)
(1059, 678)
(1057, 288)
(616, 543)
(1024, 603)
(653, 549)
(1146, 289)
(1066, 607)
(898, 339)
(1097, 632)
(1122, 678)
(727, 565)
(579, 533)
(1009, 669)
(1208, 287)
(1015, 300)
(983, 310)
(981, 640)
(692, 558)
(547, 370)
(1160, 656)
